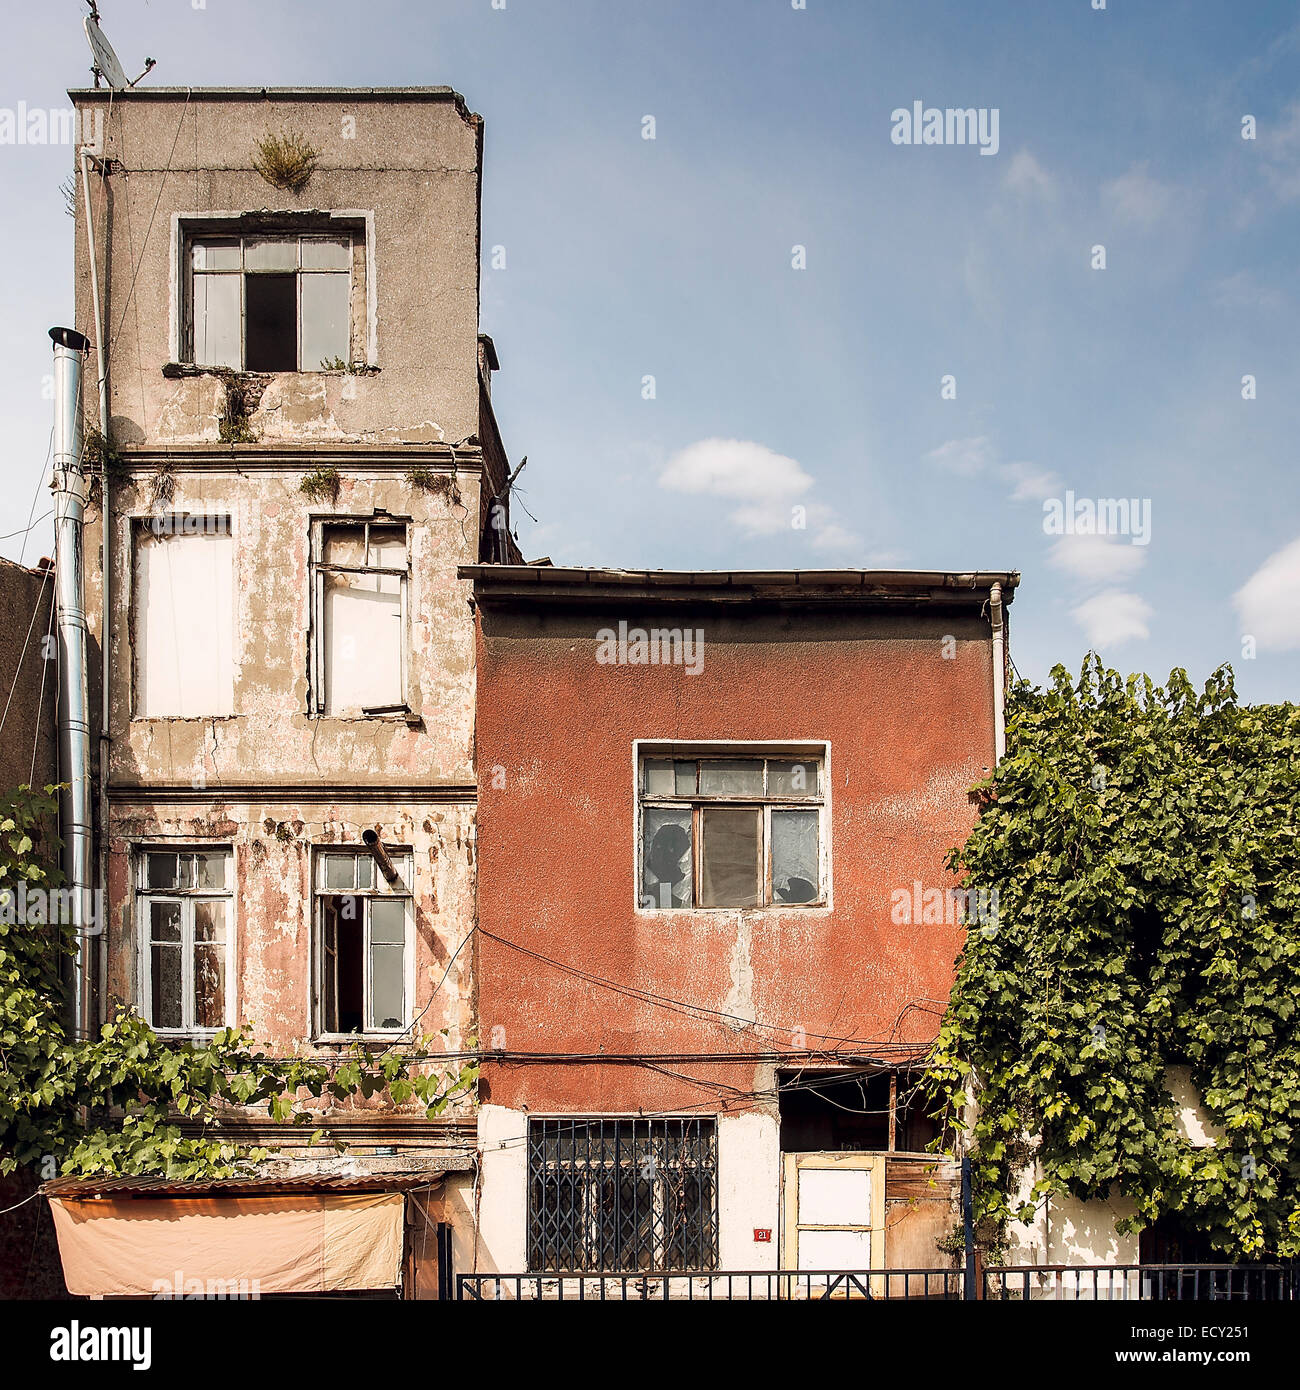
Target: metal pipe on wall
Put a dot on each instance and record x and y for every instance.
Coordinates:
(999, 672)
(74, 714)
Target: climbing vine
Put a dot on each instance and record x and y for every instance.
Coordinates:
(128, 1101)
(1142, 843)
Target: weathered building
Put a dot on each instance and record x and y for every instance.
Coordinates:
(716, 930)
(298, 451)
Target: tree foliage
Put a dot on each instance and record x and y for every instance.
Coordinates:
(128, 1101)
(1142, 843)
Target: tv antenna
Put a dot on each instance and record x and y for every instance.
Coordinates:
(106, 64)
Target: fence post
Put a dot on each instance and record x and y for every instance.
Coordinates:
(968, 1227)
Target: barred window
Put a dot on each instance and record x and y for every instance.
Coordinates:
(731, 832)
(613, 1195)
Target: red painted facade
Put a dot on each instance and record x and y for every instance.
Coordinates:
(898, 685)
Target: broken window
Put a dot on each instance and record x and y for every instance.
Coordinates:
(363, 942)
(359, 575)
(271, 303)
(185, 904)
(731, 832)
(183, 617)
(626, 1194)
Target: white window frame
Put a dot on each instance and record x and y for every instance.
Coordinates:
(318, 567)
(403, 861)
(359, 223)
(818, 751)
(186, 897)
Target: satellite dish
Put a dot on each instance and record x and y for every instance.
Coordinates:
(105, 59)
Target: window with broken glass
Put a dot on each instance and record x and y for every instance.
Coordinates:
(358, 645)
(363, 930)
(607, 1195)
(270, 303)
(185, 905)
(731, 832)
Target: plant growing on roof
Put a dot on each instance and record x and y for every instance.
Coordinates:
(321, 485)
(285, 160)
(1143, 842)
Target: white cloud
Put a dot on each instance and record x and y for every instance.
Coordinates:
(1029, 482)
(1281, 149)
(835, 538)
(1097, 559)
(966, 457)
(1137, 198)
(1113, 617)
(1268, 603)
(763, 482)
(1026, 175)
(1243, 290)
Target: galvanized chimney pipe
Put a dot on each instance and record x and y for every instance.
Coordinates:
(74, 710)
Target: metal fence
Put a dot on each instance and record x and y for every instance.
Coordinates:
(1141, 1283)
(709, 1286)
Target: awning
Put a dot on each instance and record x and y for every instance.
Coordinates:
(239, 1242)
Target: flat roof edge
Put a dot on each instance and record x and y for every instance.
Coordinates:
(354, 93)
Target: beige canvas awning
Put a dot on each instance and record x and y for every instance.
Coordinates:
(303, 1242)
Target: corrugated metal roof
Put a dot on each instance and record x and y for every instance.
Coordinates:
(113, 1185)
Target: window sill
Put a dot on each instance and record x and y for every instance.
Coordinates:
(174, 371)
(377, 1035)
(765, 910)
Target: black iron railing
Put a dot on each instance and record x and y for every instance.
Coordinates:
(1141, 1283)
(707, 1286)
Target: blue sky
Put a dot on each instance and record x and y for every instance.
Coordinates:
(819, 388)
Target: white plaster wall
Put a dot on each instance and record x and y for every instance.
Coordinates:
(749, 1190)
(503, 1203)
(1066, 1231)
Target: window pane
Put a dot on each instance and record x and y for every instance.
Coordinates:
(271, 329)
(386, 986)
(327, 253)
(731, 857)
(363, 642)
(215, 255)
(325, 335)
(684, 778)
(165, 922)
(210, 921)
(272, 253)
(211, 869)
(216, 321)
(160, 871)
(793, 779)
(666, 857)
(365, 870)
(210, 986)
(166, 1001)
(185, 871)
(339, 871)
(659, 778)
(794, 856)
(731, 777)
(388, 921)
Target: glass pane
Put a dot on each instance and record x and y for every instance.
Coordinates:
(212, 869)
(210, 921)
(388, 549)
(792, 779)
(273, 253)
(666, 858)
(339, 870)
(794, 856)
(684, 778)
(166, 1001)
(659, 778)
(185, 871)
(731, 857)
(731, 777)
(365, 870)
(160, 871)
(271, 326)
(388, 921)
(363, 642)
(216, 321)
(386, 989)
(327, 253)
(215, 255)
(210, 986)
(165, 922)
(325, 336)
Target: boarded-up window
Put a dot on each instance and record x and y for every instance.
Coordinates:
(184, 617)
(186, 906)
(731, 832)
(360, 619)
(363, 943)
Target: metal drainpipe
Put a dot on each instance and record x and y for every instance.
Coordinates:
(105, 561)
(999, 673)
(74, 723)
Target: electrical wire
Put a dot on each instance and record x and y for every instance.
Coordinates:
(40, 597)
(26, 529)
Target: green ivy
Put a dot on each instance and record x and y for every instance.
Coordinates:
(114, 1104)
(1142, 843)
